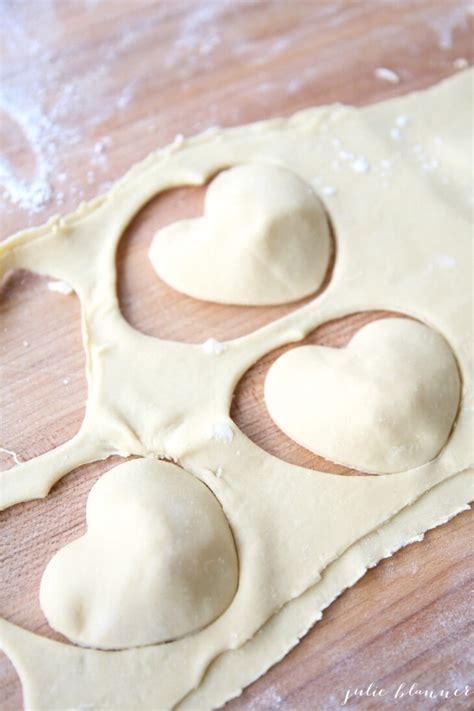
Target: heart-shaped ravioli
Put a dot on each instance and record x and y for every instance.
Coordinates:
(158, 561)
(264, 239)
(384, 404)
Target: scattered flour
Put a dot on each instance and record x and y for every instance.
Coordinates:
(60, 287)
(212, 347)
(34, 193)
(222, 432)
(387, 75)
(99, 151)
(460, 63)
(328, 190)
(360, 165)
(269, 700)
(43, 101)
(454, 18)
(445, 261)
(402, 121)
(426, 162)
(346, 155)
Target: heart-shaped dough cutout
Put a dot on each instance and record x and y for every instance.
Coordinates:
(384, 404)
(158, 561)
(264, 239)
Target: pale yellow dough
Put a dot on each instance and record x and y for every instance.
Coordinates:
(395, 250)
(385, 403)
(157, 563)
(264, 239)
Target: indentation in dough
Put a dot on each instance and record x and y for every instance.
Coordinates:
(384, 404)
(157, 562)
(264, 239)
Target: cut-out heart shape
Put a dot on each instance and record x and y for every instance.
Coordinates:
(158, 561)
(264, 239)
(384, 404)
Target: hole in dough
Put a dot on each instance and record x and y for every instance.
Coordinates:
(157, 563)
(42, 361)
(250, 412)
(154, 308)
(263, 240)
(385, 403)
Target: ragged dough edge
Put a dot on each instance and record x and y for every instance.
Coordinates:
(158, 158)
(307, 119)
(282, 632)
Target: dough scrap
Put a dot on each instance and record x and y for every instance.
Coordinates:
(385, 403)
(158, 561)
(389, 256)
(264, 239)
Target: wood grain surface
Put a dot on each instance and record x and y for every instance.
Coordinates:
(91, 86)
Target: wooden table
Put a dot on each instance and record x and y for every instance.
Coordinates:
(90, 87)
